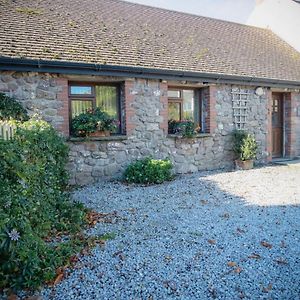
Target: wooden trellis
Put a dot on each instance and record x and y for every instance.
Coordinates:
(240, 99)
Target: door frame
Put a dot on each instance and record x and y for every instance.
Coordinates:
(281, 109)
(289, 133)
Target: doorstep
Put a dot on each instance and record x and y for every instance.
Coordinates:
(295, 162)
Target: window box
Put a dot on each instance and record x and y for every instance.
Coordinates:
(100, 133)
(93, 122)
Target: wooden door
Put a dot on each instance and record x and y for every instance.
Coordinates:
(277, 124)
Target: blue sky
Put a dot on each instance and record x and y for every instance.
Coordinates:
(230, 10)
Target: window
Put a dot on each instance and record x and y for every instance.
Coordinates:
(85, 96)
(184, 104)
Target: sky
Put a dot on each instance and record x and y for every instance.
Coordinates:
(230, 10)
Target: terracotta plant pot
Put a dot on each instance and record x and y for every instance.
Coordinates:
(244, 164)
(100, 133)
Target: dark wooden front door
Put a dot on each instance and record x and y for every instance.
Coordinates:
(277, 124)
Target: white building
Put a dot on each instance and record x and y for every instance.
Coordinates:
(280, 16)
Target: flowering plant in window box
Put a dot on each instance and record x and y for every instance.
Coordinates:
(184, 128)
(93, 122)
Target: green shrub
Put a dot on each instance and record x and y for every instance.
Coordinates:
(244, 145)
(148, 170)
(11, 109)
(34, 206)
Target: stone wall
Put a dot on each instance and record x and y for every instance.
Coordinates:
(95, 159)
(39, 93)
(145, 115)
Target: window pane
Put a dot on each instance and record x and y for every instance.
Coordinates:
(80, 106)
(188, 104)
(107, 99)
(174, 111)
(173, 94)
(81, 90)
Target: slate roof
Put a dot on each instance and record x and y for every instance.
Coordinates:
(115, 32)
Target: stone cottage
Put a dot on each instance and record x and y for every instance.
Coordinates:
(147, 65)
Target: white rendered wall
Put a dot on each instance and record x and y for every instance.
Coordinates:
(280, 16)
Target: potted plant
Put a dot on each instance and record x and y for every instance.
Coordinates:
(93, 122)
(184, 128)
(245, 148)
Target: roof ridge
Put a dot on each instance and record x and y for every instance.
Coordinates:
(188, 14)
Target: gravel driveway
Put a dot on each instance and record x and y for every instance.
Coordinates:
(228, 235)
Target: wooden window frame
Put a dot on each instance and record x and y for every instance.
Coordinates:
(176, 89)
(92, 98)
(197, 93)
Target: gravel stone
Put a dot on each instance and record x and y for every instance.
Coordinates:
(200, 236)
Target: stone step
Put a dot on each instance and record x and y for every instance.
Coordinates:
(288, 162)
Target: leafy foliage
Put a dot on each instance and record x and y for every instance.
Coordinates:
(148, 170)
(244, 145)
(34, 206)
(185, 128)
(91, 121)
(11, 109)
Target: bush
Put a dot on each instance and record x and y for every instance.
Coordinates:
(34, 206)
(11, 109)
(244, 145)
(148, 170)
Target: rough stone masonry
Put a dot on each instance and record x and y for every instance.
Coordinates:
(145, 115)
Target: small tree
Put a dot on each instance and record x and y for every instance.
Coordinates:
(244, 145)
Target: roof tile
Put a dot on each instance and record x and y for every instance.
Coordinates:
(115, 32)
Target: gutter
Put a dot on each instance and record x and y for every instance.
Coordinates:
(76, 68)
